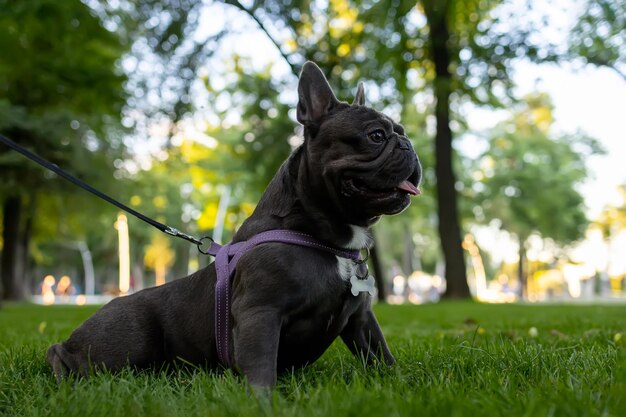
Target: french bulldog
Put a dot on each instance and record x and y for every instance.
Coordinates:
(289, 303)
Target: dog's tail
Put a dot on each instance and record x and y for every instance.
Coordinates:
(55, 359)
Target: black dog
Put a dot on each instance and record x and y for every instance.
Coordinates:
(289, 303)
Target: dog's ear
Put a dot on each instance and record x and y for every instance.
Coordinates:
(315, 97)
(359, 97)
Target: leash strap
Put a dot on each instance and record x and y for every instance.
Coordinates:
(226, 258)
(69, 177)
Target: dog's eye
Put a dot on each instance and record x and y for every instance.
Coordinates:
(376, 136)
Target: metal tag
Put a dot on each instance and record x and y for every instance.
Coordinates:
(359, 285)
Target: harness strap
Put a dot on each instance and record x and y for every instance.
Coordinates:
(226, 258)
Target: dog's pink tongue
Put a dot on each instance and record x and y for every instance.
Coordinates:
(409, 188)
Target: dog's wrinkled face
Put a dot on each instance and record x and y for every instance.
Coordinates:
(367, 164)
(368, 160)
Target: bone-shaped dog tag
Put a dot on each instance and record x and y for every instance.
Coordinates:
(362, 285)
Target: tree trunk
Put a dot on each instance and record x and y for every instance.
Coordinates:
(407, 256)
(449, 227)
(378, 273)
(522, 273)
(27, 281)
(10, 268)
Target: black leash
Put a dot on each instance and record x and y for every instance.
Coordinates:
(55, 168)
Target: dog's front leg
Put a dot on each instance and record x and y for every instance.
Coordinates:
(256, 335)
(365, 339)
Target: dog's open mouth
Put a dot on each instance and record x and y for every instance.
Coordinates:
(358, 186)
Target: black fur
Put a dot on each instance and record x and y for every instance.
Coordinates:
(289, 303)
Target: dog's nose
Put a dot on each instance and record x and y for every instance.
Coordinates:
(404, 144)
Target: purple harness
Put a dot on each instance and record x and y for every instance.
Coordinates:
(226, 258)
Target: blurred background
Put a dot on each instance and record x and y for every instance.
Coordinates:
(185, 109)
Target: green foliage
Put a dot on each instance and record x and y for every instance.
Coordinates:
(57, 50)
(61, 86)
(60, 92)
(167, 53)
(525, 177)
(388, 43)
(598, 37)
(458, 359)
(249, 153)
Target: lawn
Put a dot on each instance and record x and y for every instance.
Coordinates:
(454, 359)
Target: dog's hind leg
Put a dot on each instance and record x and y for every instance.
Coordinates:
(55, 357)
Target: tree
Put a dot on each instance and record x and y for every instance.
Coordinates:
(251, 151)
(437, 16)
(60, 93)
(598, 35)
(526, 178)
(167, 53)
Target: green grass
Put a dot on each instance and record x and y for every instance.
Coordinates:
(454, 359)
